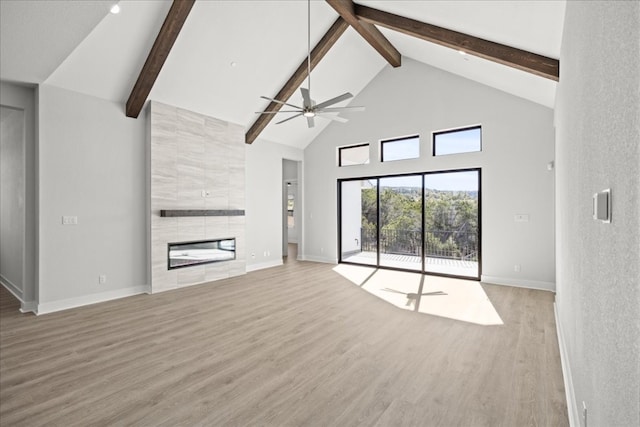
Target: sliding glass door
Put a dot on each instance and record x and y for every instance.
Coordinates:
(452, 223)
(401, 222)
(427, 222)
(359, 221)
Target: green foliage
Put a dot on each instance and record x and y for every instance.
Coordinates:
(451, 221)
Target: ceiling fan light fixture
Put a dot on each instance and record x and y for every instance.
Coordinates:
(309, 108)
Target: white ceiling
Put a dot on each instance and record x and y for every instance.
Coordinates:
(79, 46)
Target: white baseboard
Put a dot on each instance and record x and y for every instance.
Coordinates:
(572, 406)
(263, 265)
(314, 258)
(29, 307)
(11, 287)
(519, 283)
(65, 304)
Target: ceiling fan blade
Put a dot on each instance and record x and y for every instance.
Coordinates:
(310, 122)
(289, 118)
(335, 100)
(280, 102)
(276, 112)
(330, 117)
(339, 109)
(306, 97)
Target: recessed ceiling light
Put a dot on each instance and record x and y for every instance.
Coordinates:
(115, 9)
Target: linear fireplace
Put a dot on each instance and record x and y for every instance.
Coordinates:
(186, 254)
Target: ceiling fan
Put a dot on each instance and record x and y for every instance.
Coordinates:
(309, 108)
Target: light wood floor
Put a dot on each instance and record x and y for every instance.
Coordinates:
(296, 345)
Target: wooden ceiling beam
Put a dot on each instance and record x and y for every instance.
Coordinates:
(503, 54)
(368, 31)
(298, 77)
(167, 36)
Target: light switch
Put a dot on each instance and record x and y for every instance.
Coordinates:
(601, 206)
(521, 218)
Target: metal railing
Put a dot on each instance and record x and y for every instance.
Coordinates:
(451, 244)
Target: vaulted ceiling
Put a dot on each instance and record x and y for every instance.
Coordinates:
(229, 53)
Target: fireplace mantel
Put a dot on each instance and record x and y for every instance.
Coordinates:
(201, 212)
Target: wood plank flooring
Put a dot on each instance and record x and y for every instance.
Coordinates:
(296, 345)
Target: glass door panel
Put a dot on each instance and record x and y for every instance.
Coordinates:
(359, 221)
(401, 222)
(452, 223)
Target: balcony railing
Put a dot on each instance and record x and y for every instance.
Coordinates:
(452, 244)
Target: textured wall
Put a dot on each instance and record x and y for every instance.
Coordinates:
(598, 265)
(90, 165)
(191, 153)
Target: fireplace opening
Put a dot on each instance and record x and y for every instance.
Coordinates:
(186, 254)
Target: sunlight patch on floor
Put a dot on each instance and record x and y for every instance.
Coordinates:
(396, 287)
(458, 299)
(464, 300)
(354, 273)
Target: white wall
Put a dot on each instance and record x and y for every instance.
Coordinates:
(12, 193)
(518, 142)
(24, 99)
(92, 165)
(598, 280)
(264, 174)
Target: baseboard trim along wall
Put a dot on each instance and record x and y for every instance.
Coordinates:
(572, 406)
(318, 259)
(263, 265)
(519, 283)
(15, 290)
(51, 307)
(29, 307)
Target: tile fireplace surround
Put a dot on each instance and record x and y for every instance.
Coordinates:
(196, 163)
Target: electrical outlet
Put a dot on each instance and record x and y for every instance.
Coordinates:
(69, 220)
(102, 279)
(521, 218)
(253, 256)
(516, 268)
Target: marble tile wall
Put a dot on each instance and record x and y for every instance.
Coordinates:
(191, 153)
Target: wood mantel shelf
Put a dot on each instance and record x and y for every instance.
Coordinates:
(201, 212)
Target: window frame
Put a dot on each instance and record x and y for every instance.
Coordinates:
(444, 132)
(347, 147)
(401, 138)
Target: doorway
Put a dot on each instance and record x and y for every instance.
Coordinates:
(291, 207)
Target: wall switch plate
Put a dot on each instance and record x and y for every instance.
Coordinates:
(516, 268)
(602, 206)
(69, 220)
(102, 279)
(521, 218)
